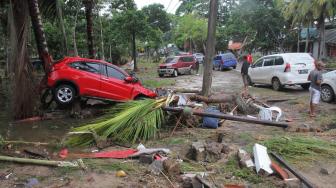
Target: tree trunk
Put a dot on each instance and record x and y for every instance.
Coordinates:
(89, 26)
(23, 95)
(134, 51)
(110, 53)
(101, 38)
(74, 35)
(61, 22)
(322, 39)
(41, 41)
(210, 48)
(307, 39)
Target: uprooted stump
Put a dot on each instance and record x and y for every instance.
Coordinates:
(229, 103)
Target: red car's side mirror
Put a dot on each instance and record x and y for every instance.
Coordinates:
(129, 79)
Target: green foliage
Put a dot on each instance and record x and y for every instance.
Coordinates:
(190, 27)
(157, 17)
(297, 148)
(126, 122)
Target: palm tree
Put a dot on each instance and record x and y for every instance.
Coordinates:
(89, 26)
(306, 11)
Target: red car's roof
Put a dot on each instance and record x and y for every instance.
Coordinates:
(72, 59)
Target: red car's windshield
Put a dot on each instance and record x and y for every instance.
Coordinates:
(171, 60)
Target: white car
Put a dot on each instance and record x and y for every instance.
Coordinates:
(279, 70)
(328, 86)
(199, 57)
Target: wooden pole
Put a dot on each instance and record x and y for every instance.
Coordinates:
(229, 117)
(210, 48)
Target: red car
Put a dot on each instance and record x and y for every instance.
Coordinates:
(80, 77)
(185, 64)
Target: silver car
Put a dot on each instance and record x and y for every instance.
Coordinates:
(199, 57)
(328, 86)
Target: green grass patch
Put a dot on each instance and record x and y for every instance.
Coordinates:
(104, 165)
(191, 167)
(247, 174)
(298, 149)
(157, 83)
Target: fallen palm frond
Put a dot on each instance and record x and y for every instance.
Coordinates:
(298, 149)
(126, 122)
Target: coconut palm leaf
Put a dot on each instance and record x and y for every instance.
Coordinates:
(126, 122)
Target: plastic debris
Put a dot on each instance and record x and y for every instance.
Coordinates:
(262, 160)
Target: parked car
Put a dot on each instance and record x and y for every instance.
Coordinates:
(224, 61)
(176, 65)
(199, 57)
(74, 77)
(328, 86)
(279, 70)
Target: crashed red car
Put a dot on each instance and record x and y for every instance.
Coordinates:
(74, 77)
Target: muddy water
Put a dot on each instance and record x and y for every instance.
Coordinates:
(37, 131)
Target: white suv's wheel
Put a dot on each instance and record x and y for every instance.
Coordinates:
(276, 84)
(327, 93)
(64, 94)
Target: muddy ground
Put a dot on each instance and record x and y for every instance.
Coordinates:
(102, 172)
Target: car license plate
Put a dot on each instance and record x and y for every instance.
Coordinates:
(304, 71)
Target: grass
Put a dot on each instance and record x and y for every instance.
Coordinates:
(127, 166)
(148, 75)
(299, 149)
(232, 167)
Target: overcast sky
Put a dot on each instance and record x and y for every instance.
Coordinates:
(170, 5)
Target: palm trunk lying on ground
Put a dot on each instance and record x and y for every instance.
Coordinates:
(42, 162)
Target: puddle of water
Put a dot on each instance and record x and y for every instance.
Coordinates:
(38, 131)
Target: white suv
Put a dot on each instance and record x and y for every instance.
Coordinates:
(279, 70)
(328, 86)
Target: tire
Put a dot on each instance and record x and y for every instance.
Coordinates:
(327, 93)
(175, 73)
(305, 86)
(276, 84)
(160, 75)
(234, 67)
(64, 94)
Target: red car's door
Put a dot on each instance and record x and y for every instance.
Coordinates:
(87, 77)
(113, 86)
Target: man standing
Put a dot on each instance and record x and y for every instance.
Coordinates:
(244, 73)
(315, 78)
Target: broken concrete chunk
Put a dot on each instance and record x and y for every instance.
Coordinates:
(156, 167)
(213, 151)
(327, 170)
(171, 167)
(245, 159)
(197, 151)
(262, 160)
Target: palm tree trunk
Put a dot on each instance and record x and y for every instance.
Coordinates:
(61, 22)
(134, 51)
(89, 26)
(307, 39)
(210, 48)
(41, 41)
(74, 35)
(24, 97)
(322, 43)
(101, 38)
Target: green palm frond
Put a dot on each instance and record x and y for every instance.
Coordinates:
(126, 122)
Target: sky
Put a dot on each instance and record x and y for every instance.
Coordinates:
(170, 5)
